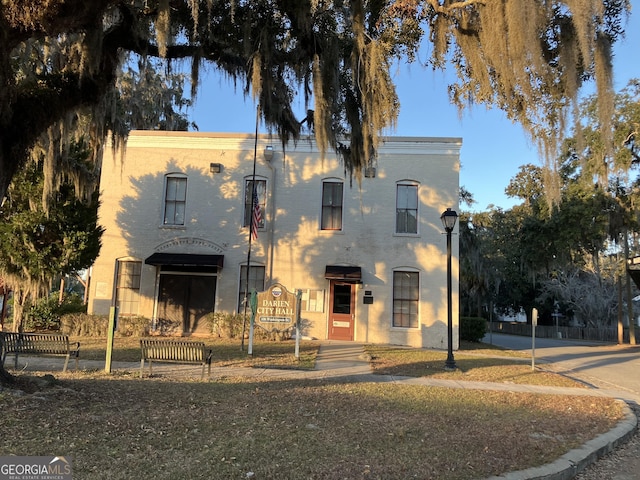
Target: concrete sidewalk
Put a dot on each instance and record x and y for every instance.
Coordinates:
(347, 362)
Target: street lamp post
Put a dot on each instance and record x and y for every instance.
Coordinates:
(449, 218)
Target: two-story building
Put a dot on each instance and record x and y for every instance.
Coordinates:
(368, 256)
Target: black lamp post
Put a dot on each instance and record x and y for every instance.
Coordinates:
(449, 218)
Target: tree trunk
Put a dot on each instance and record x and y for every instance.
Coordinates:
(6, 379)
(19, 302)
(620, 315)
(3, 313)
(632, 331)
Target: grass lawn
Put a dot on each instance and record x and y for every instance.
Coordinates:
(121, 427)
(475, 361)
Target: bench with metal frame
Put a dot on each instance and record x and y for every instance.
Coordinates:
(174, 351)
(16, 343)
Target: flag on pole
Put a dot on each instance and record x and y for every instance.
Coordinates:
(256, 218)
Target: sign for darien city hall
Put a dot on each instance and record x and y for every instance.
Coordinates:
(276, 308)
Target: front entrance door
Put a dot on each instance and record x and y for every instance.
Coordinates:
(342, 303)
(186, 300)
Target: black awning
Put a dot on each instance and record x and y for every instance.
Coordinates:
(185, 260)
(634, 273)
(633, 267)
(340, 272)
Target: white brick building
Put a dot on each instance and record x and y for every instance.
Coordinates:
(368, 257)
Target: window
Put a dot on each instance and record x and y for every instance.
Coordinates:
(128, 287)
(405, 299)
(331, 206)
(256, 282)
(261, 191)
(175, 199)
(407, 209)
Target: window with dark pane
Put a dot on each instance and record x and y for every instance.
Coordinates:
(406, 290)
(331, 206)
(407, 209)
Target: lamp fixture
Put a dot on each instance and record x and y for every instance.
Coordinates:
(449, 218)
(215, 168)
(268, 153)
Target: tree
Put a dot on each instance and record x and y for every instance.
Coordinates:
(36, 245)
(151, 96)
(60, 58)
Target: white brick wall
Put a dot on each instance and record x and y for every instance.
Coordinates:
(292, 247)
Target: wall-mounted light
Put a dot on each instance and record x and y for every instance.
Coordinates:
(215, 168)
(268, 153)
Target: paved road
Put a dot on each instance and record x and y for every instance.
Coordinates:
(603, 365)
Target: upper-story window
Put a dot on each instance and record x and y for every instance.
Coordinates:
(407, 208)
(261, 193)
(175, 199)
(331, 205)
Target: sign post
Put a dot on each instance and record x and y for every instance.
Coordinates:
(253, 302)
(534, 324)
(111, 330)
(298, 300)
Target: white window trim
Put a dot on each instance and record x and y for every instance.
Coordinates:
(341, 229)
(420, 280)
(163, 208)
(246, 180)
(408, 183)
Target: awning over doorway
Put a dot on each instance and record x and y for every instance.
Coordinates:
(341, 272)
(185, 260)
(633, 267)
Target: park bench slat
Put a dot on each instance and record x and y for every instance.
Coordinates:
(17, 343)
(174, 351)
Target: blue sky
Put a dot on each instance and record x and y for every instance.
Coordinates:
(493, 148)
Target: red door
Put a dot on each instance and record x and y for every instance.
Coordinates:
(342, 303)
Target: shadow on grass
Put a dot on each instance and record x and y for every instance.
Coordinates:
(490, 366)
(226, 352)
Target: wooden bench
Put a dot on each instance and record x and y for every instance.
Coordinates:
(174, 351)
(37, 344)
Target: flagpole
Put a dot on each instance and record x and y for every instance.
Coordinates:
(251, 226)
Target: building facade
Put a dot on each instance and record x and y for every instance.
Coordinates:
(368, 255)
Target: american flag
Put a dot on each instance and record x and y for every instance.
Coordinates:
(256, 216)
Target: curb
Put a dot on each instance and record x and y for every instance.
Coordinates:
(576, 460)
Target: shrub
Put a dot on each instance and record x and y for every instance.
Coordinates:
(45, 314)
(227, 325)
(84, 325)
(472, 329)
(230, 325)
